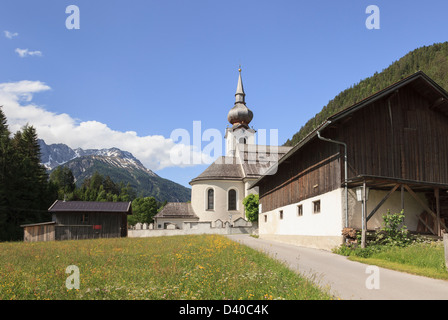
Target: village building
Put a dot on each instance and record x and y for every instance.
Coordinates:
(387, 152)
(218, 192)
(72, 220)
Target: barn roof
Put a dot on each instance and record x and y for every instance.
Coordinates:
(419, 81)
(90, 206)
(177, 210)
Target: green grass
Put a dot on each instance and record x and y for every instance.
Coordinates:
(201, 267)
(425, 259)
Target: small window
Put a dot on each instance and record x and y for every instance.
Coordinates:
(232, 199)
(281, 214)
(316, 206)
(300, 210)
(210, 199)
(85, 218)
(265, 218)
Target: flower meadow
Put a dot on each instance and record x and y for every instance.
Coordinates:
(202, 267)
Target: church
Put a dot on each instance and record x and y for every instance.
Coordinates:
(218, 192)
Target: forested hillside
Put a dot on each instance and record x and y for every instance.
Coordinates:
(432, 60)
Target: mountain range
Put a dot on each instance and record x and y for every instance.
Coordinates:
(119, 165)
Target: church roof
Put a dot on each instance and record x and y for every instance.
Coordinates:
(257, 159)
(252, 161)
(224, 168)
(177, 210)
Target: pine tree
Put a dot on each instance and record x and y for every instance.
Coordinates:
(5, 177)
(28, 194)
(62, 177)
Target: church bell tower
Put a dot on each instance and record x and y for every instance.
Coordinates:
(239, 117)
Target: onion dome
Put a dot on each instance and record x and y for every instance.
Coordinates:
(240, 114)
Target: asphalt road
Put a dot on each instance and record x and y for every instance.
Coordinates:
(349, 280)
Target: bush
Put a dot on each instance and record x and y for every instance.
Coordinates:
(394, 232)
(251, 207)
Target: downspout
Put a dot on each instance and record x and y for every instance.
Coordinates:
(345, 168)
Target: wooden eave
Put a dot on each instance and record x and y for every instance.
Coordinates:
(378, 182)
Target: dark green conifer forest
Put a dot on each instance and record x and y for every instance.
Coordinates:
(432, 60)
(25, 191)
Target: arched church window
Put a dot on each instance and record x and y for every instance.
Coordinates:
(243, 140)
(210, 199)
(232, 199)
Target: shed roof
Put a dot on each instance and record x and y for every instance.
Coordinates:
(37, 224)
(90, 206)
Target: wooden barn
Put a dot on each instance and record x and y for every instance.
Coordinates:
(387, 152)
(81, 220)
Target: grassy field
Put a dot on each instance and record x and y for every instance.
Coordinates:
(425, 259)
(205, 267)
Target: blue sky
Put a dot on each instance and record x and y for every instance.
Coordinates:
(137, 70)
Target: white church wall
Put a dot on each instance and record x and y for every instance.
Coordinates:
(220, 211)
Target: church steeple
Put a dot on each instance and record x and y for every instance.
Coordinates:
(239, 116)
(240, 113)
(239, 95)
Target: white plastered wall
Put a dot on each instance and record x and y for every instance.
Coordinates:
(411, 208)
(221, 187)
(318, 230)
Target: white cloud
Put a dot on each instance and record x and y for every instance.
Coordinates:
(10, 35)
(16, 99)
(25, 53)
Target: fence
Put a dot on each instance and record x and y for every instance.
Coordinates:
(145, 230)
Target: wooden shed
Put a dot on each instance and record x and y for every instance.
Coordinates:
(393, 145)
(39, 231)
(73, 220)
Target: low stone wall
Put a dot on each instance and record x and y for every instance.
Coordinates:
(193, 228)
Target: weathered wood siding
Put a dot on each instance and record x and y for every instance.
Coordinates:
(39, 233)
(70, 225)
(400, 137)
(313, 170)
